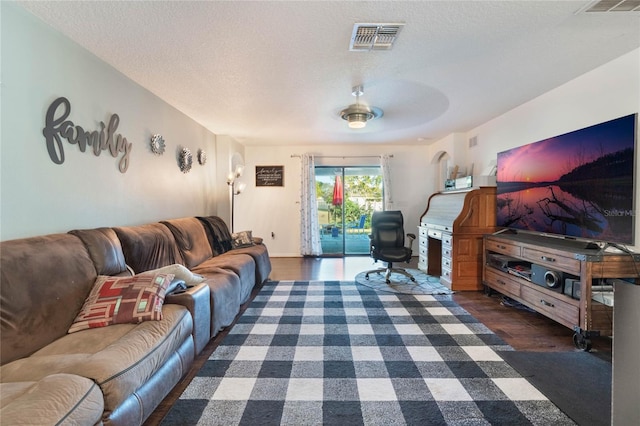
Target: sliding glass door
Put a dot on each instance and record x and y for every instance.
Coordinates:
(347, 196)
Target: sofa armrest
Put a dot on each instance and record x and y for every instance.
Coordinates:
(196, 300)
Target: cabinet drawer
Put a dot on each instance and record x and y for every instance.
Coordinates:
(423, 242)
(554, 307)
(422, 231)
(422, 264)
(501, 283)
(446, 274)
(423, 250)
(435, 234)
(553, 261)
(447, 252)
(502, 247)
(447, 239)
(446, 262)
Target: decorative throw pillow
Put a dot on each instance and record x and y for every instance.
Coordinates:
(241, 239)
(123, 300)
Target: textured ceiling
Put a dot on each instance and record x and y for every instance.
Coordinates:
(279, 72)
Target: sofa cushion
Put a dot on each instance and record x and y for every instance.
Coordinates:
(105, 250)
(260, 256)
(45, 281)
(54, 400)
(191, 239)
(119, 358)
(241, 265)
(123, 300)
(148, 246)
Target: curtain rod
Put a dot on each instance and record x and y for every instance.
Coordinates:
(343, 156)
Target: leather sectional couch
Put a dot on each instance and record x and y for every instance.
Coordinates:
(115, 374)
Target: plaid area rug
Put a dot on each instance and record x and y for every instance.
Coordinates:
(337, 353)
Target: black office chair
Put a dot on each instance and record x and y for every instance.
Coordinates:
(387, 243)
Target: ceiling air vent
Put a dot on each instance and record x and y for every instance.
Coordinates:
(613, 6)
(367, 37)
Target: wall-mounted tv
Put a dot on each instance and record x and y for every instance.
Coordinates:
(579, 184)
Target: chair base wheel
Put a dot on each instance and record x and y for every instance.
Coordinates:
(387, 274)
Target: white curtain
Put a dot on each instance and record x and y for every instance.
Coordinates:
(310, 227)
(386, 182)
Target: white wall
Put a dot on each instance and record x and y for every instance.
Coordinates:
(38, 196)
(608, 92)
(277, 209)
(86, 191)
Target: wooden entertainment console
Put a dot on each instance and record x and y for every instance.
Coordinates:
(557, 265)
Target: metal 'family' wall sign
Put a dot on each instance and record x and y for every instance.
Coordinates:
(269, 175)
(57, 127)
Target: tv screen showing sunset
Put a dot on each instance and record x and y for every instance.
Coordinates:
(579, 184)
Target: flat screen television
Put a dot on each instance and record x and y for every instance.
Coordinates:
(578, 185)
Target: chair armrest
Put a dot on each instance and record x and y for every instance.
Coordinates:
(196, 300)
(411, 238)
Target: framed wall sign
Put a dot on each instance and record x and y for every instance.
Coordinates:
(269, 175)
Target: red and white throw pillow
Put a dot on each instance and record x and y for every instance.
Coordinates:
(123, 300)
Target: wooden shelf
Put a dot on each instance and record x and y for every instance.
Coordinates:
(565, 263)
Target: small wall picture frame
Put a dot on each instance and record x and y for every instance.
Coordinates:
(269, 176)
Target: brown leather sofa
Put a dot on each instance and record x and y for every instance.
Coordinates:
(120, 373)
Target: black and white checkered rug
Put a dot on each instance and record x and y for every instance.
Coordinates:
(337, 353)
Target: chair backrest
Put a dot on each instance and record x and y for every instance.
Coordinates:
(387, 229)
(362, 219)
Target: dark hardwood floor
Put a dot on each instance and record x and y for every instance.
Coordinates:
(521, 329)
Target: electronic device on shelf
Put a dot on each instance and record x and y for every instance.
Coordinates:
(503, 262)
(572, 287)
(548, 278)
(574, 185)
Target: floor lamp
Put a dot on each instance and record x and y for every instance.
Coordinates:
(236, 188)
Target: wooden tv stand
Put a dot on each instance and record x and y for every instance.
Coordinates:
(566, 259)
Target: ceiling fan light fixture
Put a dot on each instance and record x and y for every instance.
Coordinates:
(357, 115)
(357, 120)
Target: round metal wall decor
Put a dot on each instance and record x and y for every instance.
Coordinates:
(157, 144)
(186, 160)
(202, 157)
